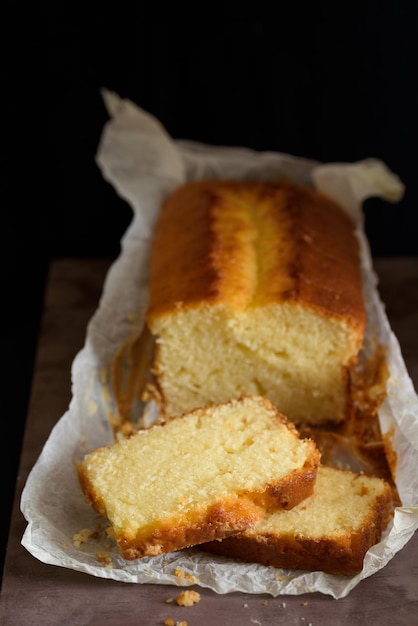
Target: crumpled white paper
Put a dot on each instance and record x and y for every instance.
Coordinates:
(143, 163)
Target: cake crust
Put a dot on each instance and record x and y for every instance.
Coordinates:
(304, 243)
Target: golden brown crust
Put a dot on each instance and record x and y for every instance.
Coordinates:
(300, 243)
(339, 552)
(298, 486)
(220, 520)
(90, 493)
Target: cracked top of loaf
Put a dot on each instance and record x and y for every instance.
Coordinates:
(250, 244)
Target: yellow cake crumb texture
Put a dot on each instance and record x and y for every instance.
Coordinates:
(188, 598)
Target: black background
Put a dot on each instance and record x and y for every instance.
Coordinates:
(333, 81)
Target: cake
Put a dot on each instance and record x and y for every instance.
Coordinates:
(255, 288)
(331, 531)
(211, 472)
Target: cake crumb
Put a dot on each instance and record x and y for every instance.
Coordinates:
(180, 573)
(104, 558)
(188, 598)
(192, 578)
(169, 600)
(81, 537)
(265, 602)
(110, 533)
(169, 622)
(99, 533)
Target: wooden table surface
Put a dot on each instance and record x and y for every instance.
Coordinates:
(34, 593)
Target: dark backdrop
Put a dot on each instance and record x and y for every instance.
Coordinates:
(334, 81)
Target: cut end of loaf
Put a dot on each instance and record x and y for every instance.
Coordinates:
(255, 288)
(296, 358)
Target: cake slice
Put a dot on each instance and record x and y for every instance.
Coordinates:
(331, 531)
(212, 472)
(255, 288)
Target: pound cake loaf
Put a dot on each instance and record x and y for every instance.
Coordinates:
(331, 531)
(212, 472)
(255, 288)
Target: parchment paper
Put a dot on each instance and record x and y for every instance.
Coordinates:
(143, 163)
